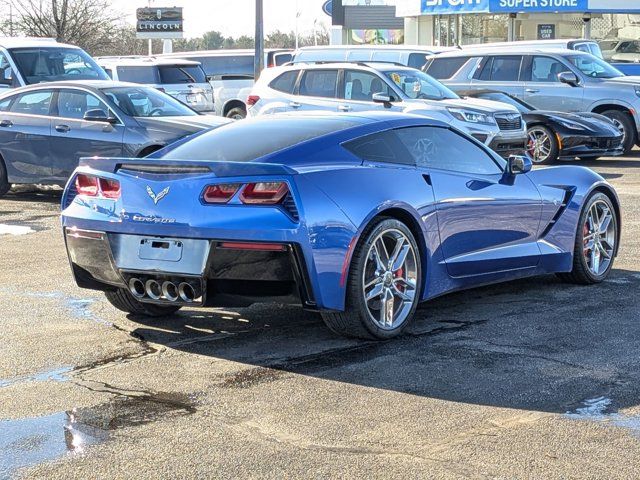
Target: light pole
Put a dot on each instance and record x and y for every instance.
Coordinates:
(297, 17)
(258, 63)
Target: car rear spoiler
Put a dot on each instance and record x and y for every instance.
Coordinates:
(177, 167)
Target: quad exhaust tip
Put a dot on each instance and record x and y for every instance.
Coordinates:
(168, 291)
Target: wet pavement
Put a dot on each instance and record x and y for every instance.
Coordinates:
(534, 379)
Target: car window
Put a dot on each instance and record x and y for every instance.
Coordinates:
(286, 82)
(593, 66)
(75, 103)
(6, 73)
(444, 68)
(502, 69)
(34, 103)
(436, 147)
(49, 64)
(630, 47)
(226, 64)
(109, 72)
(282, 58)
(547, 69)
(170, 74)
(380, 147)
(416, 84)
(319, 83)
(581, 47)
(145, 102)
(594, 48)
(138, 74)
(417, 60)
(4, 104)
(361, 86)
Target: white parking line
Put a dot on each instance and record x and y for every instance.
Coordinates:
(15, 229)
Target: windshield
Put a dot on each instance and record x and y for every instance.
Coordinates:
(504, 98)
(50, 64)
(416, 84)
(146, 102)
(594, 67)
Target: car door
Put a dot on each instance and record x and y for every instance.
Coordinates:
(72, 137)
(501, 73)
(357, 89)
(544, 91)
(488, 221)
(24, 136)
(317, 90)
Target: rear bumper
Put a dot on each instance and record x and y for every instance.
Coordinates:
(221, 273)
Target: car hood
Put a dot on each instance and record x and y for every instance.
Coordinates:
(589, 121)
(628, 79)
(626, 57)
(484, 106)
(190, 124)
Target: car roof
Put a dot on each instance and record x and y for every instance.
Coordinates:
(420, 48)
(476, 52)
(360, 65)
(87, 84)
(525, 43)
(30, 42)
(221, 52)
(144, 61)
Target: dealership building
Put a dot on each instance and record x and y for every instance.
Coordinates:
(464, 22)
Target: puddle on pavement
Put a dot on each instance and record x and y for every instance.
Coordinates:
(29, 441)
(599, 410)
(15, 229)
(55, 375)
(79, 307)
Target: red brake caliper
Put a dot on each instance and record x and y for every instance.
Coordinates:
(398, 274)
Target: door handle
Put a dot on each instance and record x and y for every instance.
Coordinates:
(63, 128)
(344, 108)
(294, 105)
(6, 123)
(531, 90)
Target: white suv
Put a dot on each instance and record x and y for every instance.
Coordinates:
(344, 87)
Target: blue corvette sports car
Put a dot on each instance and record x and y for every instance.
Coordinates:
(357, 216)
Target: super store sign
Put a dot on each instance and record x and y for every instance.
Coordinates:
(480, 6)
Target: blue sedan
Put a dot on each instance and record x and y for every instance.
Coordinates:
(357, 216)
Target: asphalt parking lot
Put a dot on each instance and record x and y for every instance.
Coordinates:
(533, 379)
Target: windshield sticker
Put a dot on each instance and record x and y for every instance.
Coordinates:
(396, 78)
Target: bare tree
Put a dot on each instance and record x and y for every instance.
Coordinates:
(90, 24)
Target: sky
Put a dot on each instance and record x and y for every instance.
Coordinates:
(235, 17)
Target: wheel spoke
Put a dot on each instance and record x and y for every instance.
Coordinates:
(381, 255)
(595, 261)
(604, 252)
(373, 282)
(399, 255)
(375, 292)
(402, 295)
(605, 222)
(404, 283)
(386, 312)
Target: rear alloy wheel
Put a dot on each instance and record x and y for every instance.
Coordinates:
(625, 124)
(5, 186)
(124, 301)
(237, 113)
(596, 242)
(542, 145)
(384, 282)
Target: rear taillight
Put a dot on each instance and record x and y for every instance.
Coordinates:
(87, 185)
(265, 193)
(221, 193)
(109, 188)
(252, 100)
(92, 186)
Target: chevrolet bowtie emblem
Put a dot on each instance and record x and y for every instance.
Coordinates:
(159, 196)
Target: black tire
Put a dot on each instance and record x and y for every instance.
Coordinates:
(554, 147)
(124, 301)
(5, 186)
(237, 113)
(580, 273)
(355, 320)
(625, 121)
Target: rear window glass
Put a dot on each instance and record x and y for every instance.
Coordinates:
(286, 82)
(50, 64)
(141, 74)
(181, 74)
(251, 139)
(444, 68)
(319, 83)
(417, 60)
(282, 58)
(226, 65)
(380, 147)
(502, 69)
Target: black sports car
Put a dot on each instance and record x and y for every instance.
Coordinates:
(559, 135)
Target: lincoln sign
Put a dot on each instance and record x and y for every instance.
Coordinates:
(159, 22)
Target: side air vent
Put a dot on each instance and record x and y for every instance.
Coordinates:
(568, 195)
(289, 205)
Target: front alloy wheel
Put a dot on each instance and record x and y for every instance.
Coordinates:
(384, 282)
(542, 145)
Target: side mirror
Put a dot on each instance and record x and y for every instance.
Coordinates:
(569, 78)
(382, 98)
(98, 115)
(518, 164)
